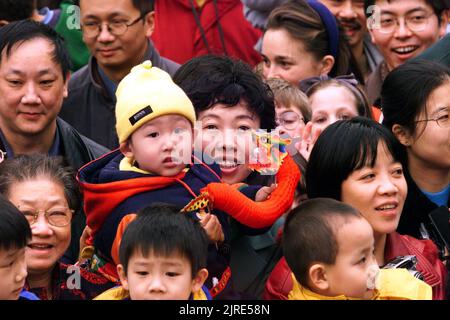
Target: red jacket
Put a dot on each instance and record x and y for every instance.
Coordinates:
(279, 283)
(178, 37)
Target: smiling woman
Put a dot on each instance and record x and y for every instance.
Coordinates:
(417, 112)
(46, 193)
(359, 162)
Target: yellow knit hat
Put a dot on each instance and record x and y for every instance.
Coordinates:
(146, 93)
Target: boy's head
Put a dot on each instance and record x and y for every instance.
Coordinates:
(229, 100)
(15, 234)
(329, 247)
(292, 109)
(163, 255)
(155, 121)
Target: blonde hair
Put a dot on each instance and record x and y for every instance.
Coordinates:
(287, 95)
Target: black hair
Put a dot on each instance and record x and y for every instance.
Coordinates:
(15, 33)
(29, 167)
(144, 6)
(13, 10)
(162, 230)
(212, 79)
(310, 234)
(404, 100)
(15, 232)
(342, 148)
(438, 7)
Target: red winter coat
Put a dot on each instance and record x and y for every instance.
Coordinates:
(279, 283)
(178, 37)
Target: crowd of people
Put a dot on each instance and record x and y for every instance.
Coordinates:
(224, 149)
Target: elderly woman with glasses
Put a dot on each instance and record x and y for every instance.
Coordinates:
(416, 105)
(46, 192)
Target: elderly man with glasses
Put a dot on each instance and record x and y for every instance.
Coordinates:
(117, 35)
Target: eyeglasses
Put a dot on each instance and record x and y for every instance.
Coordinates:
(117, 28)
(442, 120)
(416, 22)
(289, 120)
(57, 217)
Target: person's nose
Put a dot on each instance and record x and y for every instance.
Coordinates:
(281, 130)
(347, 10)
(402, 30)
(272, 72)
(104, 34)
(31, 95)
(386, 185)
(156, 285)
(41, 227)
(229, 139)
(169, 143)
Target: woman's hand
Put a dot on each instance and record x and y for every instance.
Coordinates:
(264, 193)
(310, 133)
(213, 228)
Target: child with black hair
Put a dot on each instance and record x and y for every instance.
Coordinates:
(162, 256)
(155, 163)
(15, 234)
(327, 266)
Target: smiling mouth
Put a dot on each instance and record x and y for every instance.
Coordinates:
(405, 50)
(387, 207)
(40, 246)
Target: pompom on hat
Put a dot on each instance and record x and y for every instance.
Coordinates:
(145, 93)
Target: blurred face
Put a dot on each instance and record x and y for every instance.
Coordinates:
(403, 43)
(162, 146)
(289, 120)
(353, 269)
(430, 147)
(158, 277)
(48, 243)
(116, 51)
(226, 136)
(331, 104)
(350, 14)
(31, 89)
(286, 58)
(378, 193)
(13, 271)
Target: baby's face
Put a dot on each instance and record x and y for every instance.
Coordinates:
(163, 146)
(157, 277)
(13, 271)
(353, 273)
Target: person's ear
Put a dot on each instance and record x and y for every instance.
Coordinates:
(318, 277)
(199, 280)
(126, 149)
(122, 276)
(66, 85)
(327, 64)
(443, 24)
(402, 134)
(149, 20)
